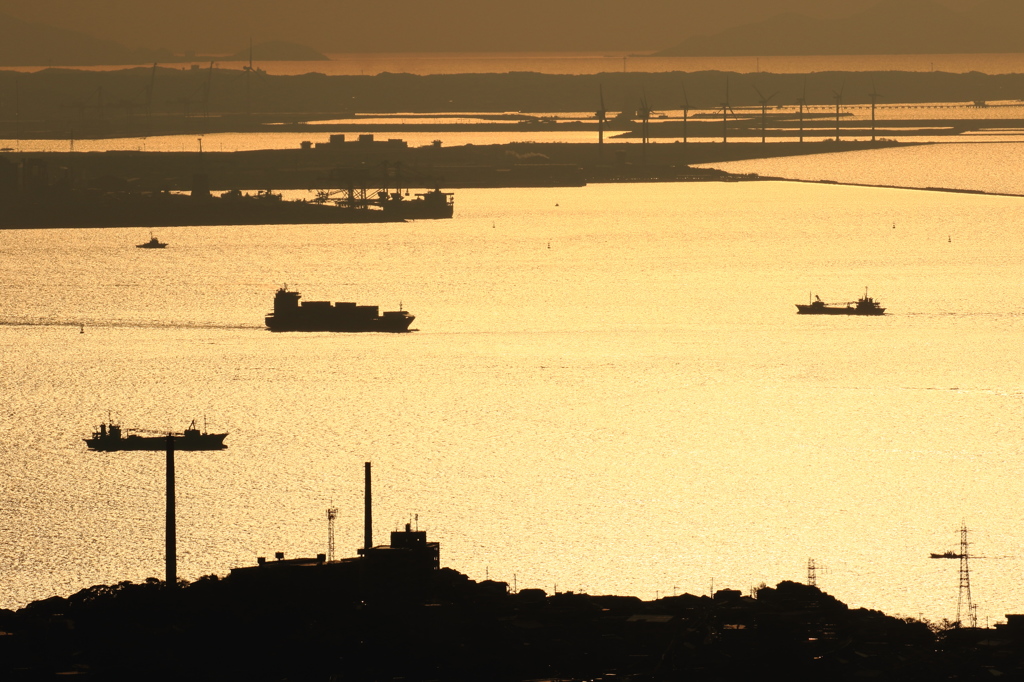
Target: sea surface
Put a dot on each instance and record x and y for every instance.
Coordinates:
(609, 390)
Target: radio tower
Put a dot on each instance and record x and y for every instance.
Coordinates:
(332, 513)
(812, 573)
(964, 604)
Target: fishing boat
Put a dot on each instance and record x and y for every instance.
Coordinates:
(862, 306)
(153, 243)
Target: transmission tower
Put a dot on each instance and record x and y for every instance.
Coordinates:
(812, 573)
(964, 605)
(332, 513)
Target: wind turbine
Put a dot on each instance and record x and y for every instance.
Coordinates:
(602, 116)
(645, 112)
(839, 102)
(764, 112)
(686, 113)
(725, 113)
(803, 102)
(149, 95)
(248, 88)
(874, 96)
(206, 91)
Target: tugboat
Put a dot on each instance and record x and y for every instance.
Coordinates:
(153, 243)
(862, 306)
(429, 205)
(108, 438)
(322, 316)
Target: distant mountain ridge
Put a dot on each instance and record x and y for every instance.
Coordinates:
(890, 27)
(24, 43)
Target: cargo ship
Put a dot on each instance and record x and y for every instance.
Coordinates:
(322, 316)
(109, 437)
(165, 209)
(862, 306)
(30, 201)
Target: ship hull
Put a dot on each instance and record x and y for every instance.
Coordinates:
(830, 310)
(315, 324)
(204, 441)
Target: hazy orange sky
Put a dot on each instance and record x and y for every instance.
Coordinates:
(222, 26)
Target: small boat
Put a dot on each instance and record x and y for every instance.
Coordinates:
(862, 306)
(153, 243)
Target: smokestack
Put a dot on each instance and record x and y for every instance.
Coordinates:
(368, 514)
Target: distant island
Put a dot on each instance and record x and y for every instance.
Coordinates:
(277, 51)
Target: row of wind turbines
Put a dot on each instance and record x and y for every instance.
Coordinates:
(725, 108)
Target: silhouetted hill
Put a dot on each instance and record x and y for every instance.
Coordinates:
(24, 43)
(890, 27)
(279, 51)
(333, 622)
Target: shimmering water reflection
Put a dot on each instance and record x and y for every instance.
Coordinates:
(609, 391)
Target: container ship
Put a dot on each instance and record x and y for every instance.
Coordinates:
(322, 316)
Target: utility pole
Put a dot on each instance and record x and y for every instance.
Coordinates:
(170, 536)
(368, 512)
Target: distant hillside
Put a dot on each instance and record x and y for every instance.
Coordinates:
(24, 43)
(278, 51)
(890, 27)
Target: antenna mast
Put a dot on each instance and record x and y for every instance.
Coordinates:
(812, 573)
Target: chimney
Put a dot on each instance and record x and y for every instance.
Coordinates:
(368, 514)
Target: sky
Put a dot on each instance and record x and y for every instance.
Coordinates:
(334, 26)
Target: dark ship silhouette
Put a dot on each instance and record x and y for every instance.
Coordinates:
(109, 438)
(427, 205)
(153, 243)
(862, 306)
(321, 316)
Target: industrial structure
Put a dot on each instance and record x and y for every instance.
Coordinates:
(404, 564)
